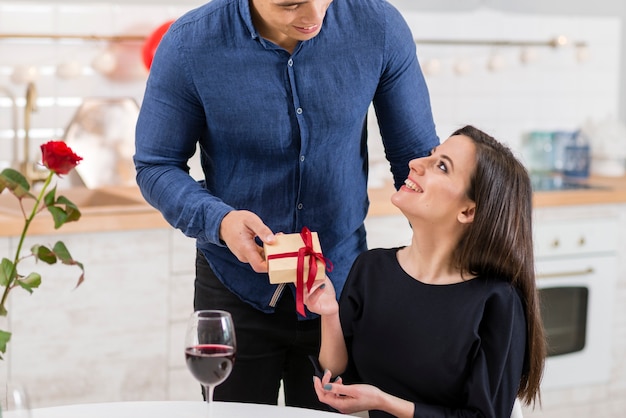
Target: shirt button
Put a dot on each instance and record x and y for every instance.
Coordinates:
(299, 111)
(302, 158)
(300, 205)
(290, 62)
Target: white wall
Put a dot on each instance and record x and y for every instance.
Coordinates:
(598, 8)
(582, 8)
(556, 92)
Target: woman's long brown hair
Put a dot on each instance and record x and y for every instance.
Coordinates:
(499, 241)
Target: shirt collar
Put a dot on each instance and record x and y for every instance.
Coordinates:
(246, 16)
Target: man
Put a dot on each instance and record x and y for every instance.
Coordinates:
(276, 93)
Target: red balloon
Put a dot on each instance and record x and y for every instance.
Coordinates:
(152, 42)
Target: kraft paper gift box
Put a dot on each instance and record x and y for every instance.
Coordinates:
(283, 269)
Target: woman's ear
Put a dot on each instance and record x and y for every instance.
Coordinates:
(466, 216)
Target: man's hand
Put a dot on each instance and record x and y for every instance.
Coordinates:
(238, 230)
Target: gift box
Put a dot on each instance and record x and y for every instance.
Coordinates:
(297, 258)
(282, 258)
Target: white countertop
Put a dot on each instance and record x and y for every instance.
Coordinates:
(171, 409)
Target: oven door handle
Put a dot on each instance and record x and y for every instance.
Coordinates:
(584, 272)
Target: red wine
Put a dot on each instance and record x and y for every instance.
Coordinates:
(210, 364)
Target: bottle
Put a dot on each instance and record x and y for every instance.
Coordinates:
(560, 139)
(539, 152)
(577, 156)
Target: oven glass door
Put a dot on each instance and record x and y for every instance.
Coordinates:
(564, 314)
(577, 308)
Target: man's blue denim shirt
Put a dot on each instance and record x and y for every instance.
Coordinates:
(282, 135)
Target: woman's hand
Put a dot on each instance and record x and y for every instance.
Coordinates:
(321, 299)
(349, 399)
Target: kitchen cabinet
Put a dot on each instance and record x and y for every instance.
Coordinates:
(576, 253)
(115, 337)
(582, 246)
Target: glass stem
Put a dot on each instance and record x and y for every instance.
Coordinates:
(208, 390)
(209, 393)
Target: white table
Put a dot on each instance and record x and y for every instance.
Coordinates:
(172, 409)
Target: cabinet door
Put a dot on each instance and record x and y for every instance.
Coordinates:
(575, 237)
(102, 341)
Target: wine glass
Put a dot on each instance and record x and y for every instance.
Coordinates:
(15, 399)
(210, 348)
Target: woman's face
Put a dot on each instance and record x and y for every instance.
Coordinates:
(435, 189)
(285, 22)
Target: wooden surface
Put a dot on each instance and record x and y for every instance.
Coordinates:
(136, 216)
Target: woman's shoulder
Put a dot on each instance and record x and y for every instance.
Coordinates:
(378, 254)
(374, 262)
(499, 294)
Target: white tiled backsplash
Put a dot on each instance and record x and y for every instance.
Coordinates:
(555, 92)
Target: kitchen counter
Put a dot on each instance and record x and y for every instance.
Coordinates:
(136, 214)
(139, 215)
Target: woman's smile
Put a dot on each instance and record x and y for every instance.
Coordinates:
(411, 185)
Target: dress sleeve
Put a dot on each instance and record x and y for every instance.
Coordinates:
(495, 370)
(350, 310)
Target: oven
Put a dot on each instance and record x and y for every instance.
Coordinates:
(576, 276)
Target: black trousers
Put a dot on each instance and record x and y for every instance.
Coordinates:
(270, 347)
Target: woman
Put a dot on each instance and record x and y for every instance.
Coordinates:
(450, 324)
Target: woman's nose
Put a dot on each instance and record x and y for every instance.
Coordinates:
(417, 166)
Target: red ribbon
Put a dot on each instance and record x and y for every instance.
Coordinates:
(314, 256)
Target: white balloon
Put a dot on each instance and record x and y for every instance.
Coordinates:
(462, 67)
(23, 74)
(528, 55)
(105, 62)
(496, 63)
(431, 67)
(582, 53)
(68, 70)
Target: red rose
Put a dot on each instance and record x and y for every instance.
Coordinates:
(58, 157)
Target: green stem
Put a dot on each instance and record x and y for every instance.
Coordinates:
(13, 276)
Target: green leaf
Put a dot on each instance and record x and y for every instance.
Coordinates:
(49, 198)
(62, 209)
(64, 255)
(44, 254)
(71, 210)
(7, 272)
(30, 282)
(14, 181)
(59, 216)
(5, 337)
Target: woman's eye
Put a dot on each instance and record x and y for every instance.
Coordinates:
(442, 166)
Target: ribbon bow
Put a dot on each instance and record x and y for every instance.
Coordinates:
(306, 250)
